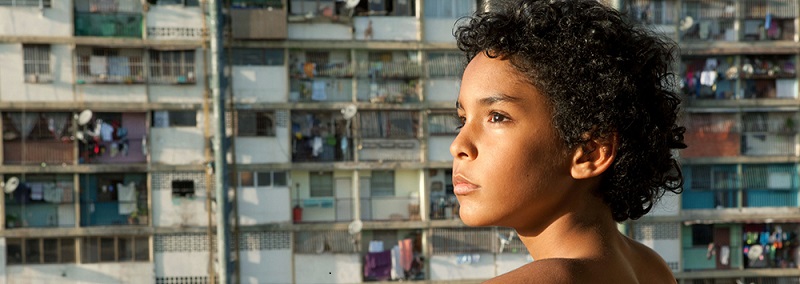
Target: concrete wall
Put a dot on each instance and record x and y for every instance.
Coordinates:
(125, 272)
(171, 210)
(177, 145)
(181, 264)
(509, 261)
(259, 150)
(267, 266)
(439, 148)
(32, 21)
(439, 30)
(126, 93)
(445, 267)
(260, 84)
(325, 31)
(12, 75)
(262, 205)
(328, 268)
(442, 90)
(374, 149)
(174, 16)
(387, 28)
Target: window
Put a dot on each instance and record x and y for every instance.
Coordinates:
(382, 183)
(274, 178)
(36, 63)
(321, 184)
(391, 7)
(115, 249)
(255, 123)
(40, 250)
(449, 9)
(388, 124)
(443, 124)
(256, 56)
(172, 67)
(26, 3)
(183, 188)
(702, 235)
(175, 2)
(179, 118)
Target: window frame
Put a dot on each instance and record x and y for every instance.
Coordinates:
(319, 188)
(382, 183)
(172, 67)
(263, 124)
(24, 243)
(37, 57)
(134, 241)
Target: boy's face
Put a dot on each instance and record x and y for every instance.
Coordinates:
(510, 168)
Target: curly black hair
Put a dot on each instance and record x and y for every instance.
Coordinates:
(603, 76)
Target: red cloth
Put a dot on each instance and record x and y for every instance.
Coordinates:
(406, 253)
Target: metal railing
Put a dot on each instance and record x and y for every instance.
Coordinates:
(109, 69)
(34, 152)
(108, 25)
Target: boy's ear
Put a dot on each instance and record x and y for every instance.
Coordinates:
(594, 157)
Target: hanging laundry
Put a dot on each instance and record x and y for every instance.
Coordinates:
(397, 271)
(708, 78)
(37, 191)
(378, 265)
(52, 194)
(316, 146)
(97, 65)
(66, 191)
(724, 255)
(118, 66)
(318, 92)
(406, 253)
(375, 246)
(106, 132)
(127, 198)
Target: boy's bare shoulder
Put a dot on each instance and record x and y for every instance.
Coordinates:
(546, 271)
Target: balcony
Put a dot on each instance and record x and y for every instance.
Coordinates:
(249, 17)
(321, 137)
(127, 25)
(768, 134)
(704, 20)
(114, 138)
(712, 135)
(109, 66)
(113, 199)
(658, 15)
(37, 137)
(739, 246)
(768, 20)
(41, 201)
(323, 76)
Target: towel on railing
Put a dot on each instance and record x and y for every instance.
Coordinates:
(127, 198)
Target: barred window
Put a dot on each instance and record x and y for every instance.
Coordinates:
(40, 250)
(389, 124)
(26, 3)
(115, 249)
(36, 63)
(321, 184)
(443, 123)
(172, 67)
(256, 56)
(382, 183)
(255, 123)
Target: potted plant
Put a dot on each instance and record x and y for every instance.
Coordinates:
(142, 216)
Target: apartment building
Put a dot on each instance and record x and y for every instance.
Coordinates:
(340, 116)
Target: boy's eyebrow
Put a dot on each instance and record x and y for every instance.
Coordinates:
(498, 98)
(492, 100)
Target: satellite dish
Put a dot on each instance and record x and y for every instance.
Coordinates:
(349, 111)
(686, 23)
(355, 227)
(350, 4)
(84, 117)
(11, 185)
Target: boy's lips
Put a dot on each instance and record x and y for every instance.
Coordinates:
(462, 185)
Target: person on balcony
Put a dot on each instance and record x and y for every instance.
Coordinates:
(568, 125)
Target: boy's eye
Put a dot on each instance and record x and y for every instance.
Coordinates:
(496, 117)
(461, 121)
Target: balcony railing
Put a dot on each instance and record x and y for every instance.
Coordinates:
(110, 69)
(321, 90)
(108, 25)
(129, 150)
(37, 152)
(389, 70)
(322, 149)
(389, 91)
(111, 213)
(770, 198)
(710, 199)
